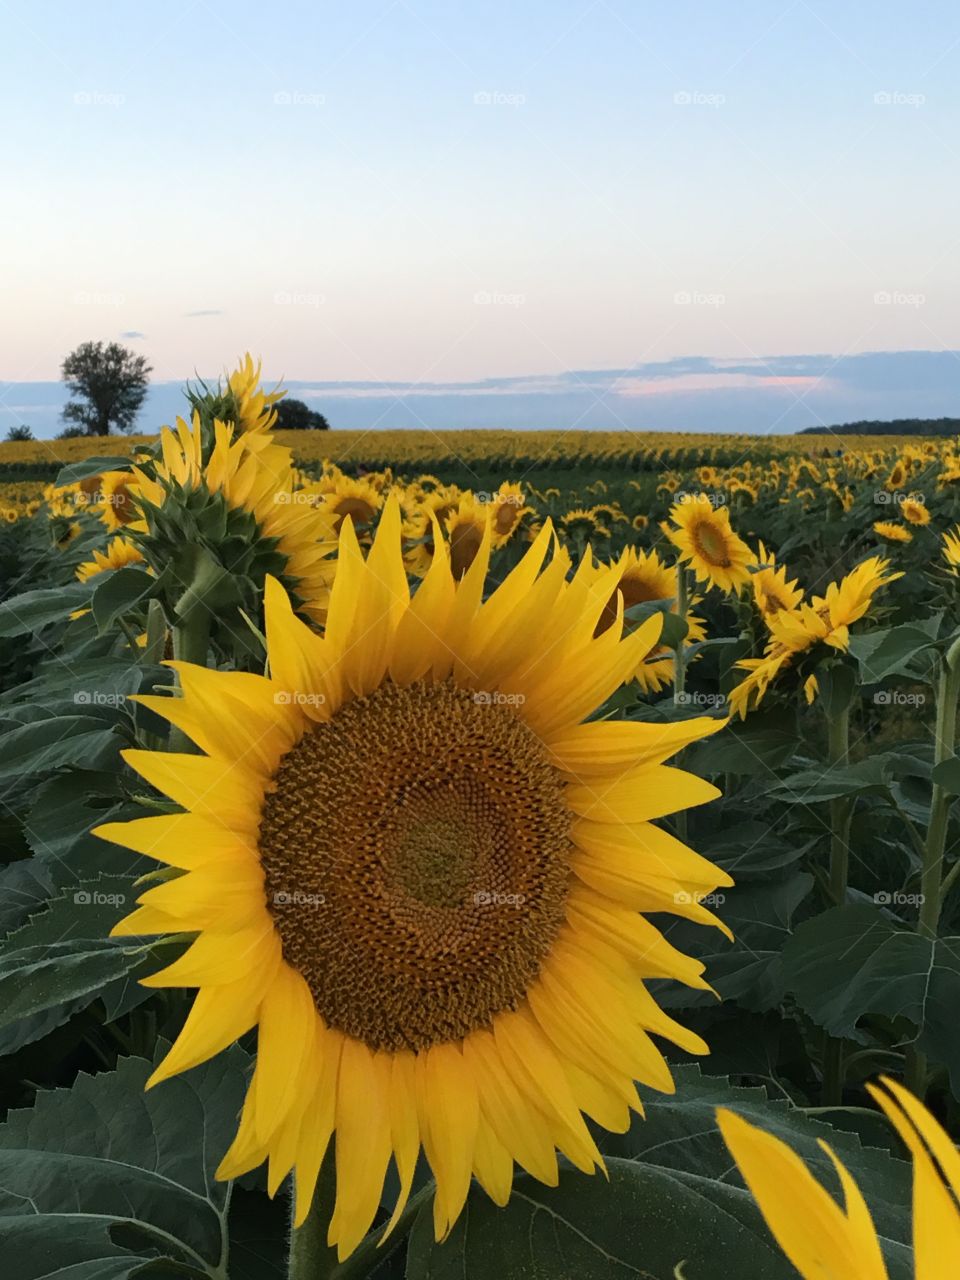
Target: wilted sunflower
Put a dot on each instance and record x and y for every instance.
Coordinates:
(418, 872)
(707, 543)
(914, 511)
(825, 1241)
(256, 482)
(119, 552)
(892, 532)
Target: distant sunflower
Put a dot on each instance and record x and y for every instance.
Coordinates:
(771, 590)
(119, 553)
(891, 531)
(255, 411)
(640, 523)
(422, 880)
(915, 512)
(645, 579)
(117, 499)
(828, 1241)
(580, 523)
(358, 499)
(706, 542)
(466, 528)
(507, 510)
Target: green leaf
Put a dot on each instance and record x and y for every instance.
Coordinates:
(45, 745)
(947, 775)
(815, 786)
(28, 613)
(102, 1179)
(882, 654)
(853, 961)
(758, 746)
(86, 467)
(119, 593)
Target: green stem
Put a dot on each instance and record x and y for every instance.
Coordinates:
(156, 634)
(838, 754)
(680, 671)
(191, 643)
(931, 874)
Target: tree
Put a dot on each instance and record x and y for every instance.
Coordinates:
(109, 383)
(21, 432)
(294, 415)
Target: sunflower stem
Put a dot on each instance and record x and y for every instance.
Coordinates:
(191, 643)
(838, 754)
(311, 1258)
(931, 874)
(680, 669)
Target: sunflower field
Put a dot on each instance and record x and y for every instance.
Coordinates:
(498, 855)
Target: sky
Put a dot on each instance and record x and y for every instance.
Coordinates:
(406, 195)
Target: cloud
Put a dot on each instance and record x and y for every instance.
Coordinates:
(211, 312)
(132, 333)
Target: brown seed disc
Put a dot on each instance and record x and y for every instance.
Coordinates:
(416, 850)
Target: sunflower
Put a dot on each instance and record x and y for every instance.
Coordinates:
(119, 552)
(825, 1241)
(414, 864)
(914, 511)
(639, 523)
(117, 500)
(507, 510)
(644, 579)
(358, 499)
(580, 523)
(419, 528)
(707, 543)
(254, 408)
(892, 532)
(951, 549)
(826, 620)
(466, 528)
(254, 482)
(771, 590)
(897, 476)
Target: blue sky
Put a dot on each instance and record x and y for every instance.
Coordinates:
(427, 192)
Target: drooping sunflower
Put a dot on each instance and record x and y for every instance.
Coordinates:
(914, 511)
(825, 1241)
(705, 540)
(119, 552)
(255, 411)
(826, 620)
(256, 482)
(417, 870)
(892, 532)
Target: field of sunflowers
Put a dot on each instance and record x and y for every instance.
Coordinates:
(498, 855)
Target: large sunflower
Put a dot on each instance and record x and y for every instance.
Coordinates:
(256, 480)
(706, 542)
(412, 865)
